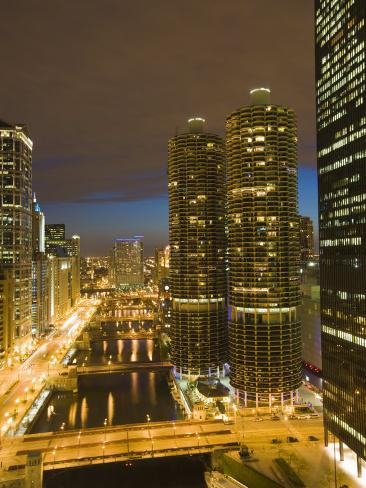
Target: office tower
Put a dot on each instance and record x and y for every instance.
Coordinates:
(40, 268)
(263, 249)
(162, 263)
(60, 287)
(38, 227)
(341, 131)
(72, 247)
(196, 170)
(306, 239)
(55, 238)
(16, 229)
(128, 262)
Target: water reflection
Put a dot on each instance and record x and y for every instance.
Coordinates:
(117, 350)
(83, 414)
(110, 416)
(121, 398)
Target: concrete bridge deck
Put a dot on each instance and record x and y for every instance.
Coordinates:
(113, 444)
(133, 366)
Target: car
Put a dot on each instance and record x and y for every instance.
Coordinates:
(290, 438)
(257, 419)
(276, 441)
(312, 438)
(275, 417)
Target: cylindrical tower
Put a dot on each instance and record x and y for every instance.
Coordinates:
(263, 248)
(196, 168)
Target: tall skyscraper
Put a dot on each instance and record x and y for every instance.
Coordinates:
(263, 249)
(16, 229)
(196, 169)
(128, 262)
(39, 271)
(341, 129)
(306, 239)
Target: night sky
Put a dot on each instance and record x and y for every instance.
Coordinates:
(103, 84)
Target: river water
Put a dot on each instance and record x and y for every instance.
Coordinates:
(181, 472)
(121, 398)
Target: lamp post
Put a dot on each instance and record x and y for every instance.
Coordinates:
(198, 440)
(54, 456)
(105, 428)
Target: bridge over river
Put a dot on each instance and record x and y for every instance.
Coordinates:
(61, 450)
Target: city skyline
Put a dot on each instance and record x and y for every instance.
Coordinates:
(105, 96)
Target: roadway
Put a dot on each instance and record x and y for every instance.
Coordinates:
(23, 382)
(110, 444)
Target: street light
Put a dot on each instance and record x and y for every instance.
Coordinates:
(105, 428)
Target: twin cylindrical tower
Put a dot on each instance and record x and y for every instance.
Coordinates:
(237, 208)
(197, 272)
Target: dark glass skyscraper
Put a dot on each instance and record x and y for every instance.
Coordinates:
(341, 127)
(263, 248)
(196, 168)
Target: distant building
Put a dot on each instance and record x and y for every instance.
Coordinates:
(306, 238)
(162, 257)
(128, 263)
(309, 314)
(197, 275)
(263, 248)
(72, 247)
(39, 272)
(60, 287)
(16, 231)
(55, 238)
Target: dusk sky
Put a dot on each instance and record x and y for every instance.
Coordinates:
(103, 85)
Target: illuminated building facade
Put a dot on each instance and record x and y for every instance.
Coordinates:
(55, 238)
(60, 279)
(39, 271)
(128, 262)
(306, 239)
(196, 170)
(16, 229)
(263, 251)
(341, 130)
(72, 247)
(162, 256)
(5, 313)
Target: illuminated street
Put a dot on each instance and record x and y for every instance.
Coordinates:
(22, 383)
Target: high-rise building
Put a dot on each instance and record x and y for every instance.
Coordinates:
(162, 256)
(263, 250)
(40, 268)
(55, 238)
(306, 239)
(72, 247)
(341, 135)
(196, 170)
(16, 229)
(60, 287)
(128, 262)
